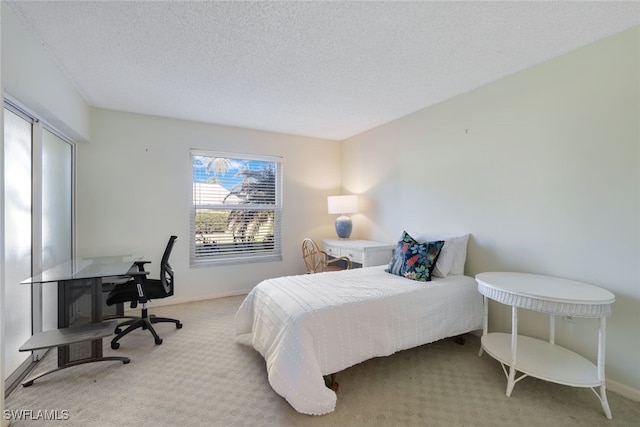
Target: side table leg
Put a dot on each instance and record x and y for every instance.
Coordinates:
(605, 402)
(511, 381)
(485, 322)
(601, 353)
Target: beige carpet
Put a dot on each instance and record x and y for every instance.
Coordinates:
(204, 376)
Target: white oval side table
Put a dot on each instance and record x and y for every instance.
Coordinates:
(535, 357)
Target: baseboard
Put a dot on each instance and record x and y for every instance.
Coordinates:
(623, 390)
(174, 300)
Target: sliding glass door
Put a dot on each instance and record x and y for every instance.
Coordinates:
(38, 189)
(17, 238)
(57, 209)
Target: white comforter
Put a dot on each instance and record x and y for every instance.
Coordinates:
(312, 325)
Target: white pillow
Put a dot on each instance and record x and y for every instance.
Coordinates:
(452, 255)
(447, 253)
(460, 259)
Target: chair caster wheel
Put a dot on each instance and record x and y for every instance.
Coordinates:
(115, 345)
(159, 341)
(117, 331)
(178, 325)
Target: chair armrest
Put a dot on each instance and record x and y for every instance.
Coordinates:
(139, 265)
(138, 278)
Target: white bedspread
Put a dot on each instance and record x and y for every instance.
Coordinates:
(312, 325)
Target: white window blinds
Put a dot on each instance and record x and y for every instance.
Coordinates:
(236, 208)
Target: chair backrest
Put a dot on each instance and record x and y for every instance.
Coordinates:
(166, 272)
(313, 259)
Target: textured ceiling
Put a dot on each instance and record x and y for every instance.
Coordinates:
(323, 69)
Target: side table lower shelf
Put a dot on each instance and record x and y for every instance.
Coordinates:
(72, 335)
(543, 360)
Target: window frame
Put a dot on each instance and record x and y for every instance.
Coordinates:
(238, 256)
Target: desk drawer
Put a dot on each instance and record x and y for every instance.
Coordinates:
(331, 250)
(355, 255)
(365, 253)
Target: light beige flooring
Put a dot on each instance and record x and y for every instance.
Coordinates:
(202, 375)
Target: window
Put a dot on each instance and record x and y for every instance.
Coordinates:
(236, 208)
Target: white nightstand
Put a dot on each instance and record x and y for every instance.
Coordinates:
(365, 252)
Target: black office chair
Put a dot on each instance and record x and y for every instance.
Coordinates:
(141, 289)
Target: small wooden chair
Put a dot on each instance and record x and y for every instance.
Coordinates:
(318, 261)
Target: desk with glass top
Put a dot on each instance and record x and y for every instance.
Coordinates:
(80, 326)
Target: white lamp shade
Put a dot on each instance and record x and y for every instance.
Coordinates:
(342, 204)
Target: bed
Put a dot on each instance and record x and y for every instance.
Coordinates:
(313, 325)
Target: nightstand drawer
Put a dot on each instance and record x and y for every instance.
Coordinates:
(332, 250)
(355, 255)
(363, 252)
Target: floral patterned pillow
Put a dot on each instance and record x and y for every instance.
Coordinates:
(414, 260)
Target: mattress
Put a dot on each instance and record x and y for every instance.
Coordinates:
(312, 325)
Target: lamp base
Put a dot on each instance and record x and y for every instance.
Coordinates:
(343, 227)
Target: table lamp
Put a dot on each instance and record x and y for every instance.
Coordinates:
(343, 205)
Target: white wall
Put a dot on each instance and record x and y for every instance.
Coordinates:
(134, 189)
(31, 76)
(542, 168)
